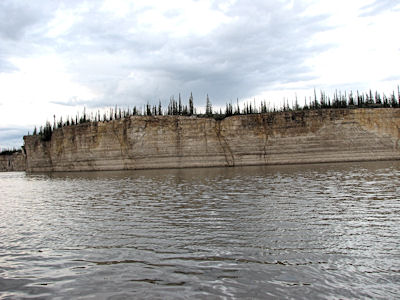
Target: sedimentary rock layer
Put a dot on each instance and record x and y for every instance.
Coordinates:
(12, 162)
(143, 142)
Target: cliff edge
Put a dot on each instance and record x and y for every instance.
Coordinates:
(144, 142)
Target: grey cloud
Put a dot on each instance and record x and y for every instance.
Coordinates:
(74, 101)
(12, 136)
(5, 51)
(392, 78)
(251, 55)
(23, 25)
(267, 44)
(15, 18)
(379, 6)
(20, 25)
(5, 66)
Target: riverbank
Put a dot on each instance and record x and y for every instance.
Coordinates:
(151, 142)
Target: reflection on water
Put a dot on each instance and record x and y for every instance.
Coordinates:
(317, 231)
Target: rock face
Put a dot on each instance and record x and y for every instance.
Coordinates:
(12, 162)
(143, 142)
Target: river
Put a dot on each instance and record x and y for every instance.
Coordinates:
(306, 231)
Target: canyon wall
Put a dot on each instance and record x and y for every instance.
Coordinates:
(143, 142)
(12, 162)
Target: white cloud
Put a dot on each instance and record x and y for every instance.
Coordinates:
(62, 22)
(40, 80)
(364, 51)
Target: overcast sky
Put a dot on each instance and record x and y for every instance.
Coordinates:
(57, 57)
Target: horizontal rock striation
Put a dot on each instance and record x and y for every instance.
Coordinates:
(12, 162)
(292, 137)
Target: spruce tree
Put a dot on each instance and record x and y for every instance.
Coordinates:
(179, 105)
(208, 107)
(191, 107)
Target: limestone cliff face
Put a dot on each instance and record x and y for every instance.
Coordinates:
(12, 162)
(142, 142)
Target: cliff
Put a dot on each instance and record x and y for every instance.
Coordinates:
(142, 142)
(12, 162)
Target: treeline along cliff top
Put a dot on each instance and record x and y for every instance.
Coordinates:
(178, 108)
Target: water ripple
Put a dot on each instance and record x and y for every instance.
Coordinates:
(317, 231)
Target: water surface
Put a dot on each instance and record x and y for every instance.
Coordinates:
(316, 231)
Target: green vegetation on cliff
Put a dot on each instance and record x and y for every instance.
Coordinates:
(10, 151)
